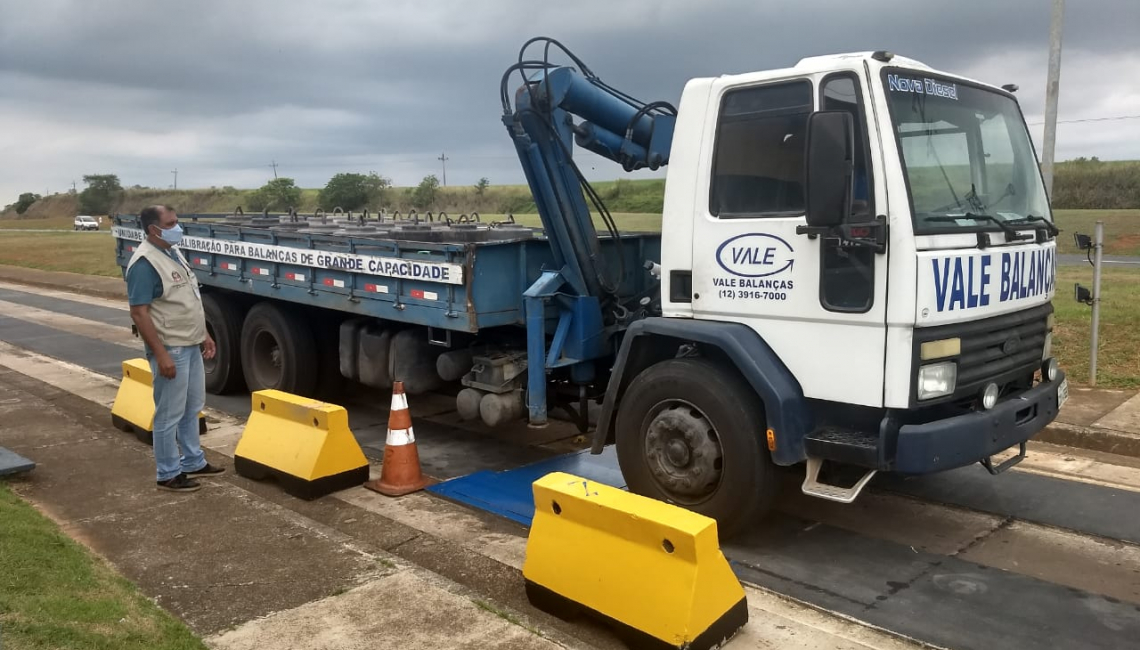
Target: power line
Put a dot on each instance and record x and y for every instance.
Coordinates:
(1093, 119)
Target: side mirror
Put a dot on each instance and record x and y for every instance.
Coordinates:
(830, 165)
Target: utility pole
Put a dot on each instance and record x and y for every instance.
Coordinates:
(175, 172)
(1098, 260)
(274, 166)
(1051, 91)
(73, 187)
(443, 158)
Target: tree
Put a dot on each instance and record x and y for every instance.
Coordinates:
(424, 196)
(378, 189)
(346, 190)
(25, 201)
(101, 194)
(481, 186)
(278, 194)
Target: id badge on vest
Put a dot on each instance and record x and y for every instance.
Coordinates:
(191, 279)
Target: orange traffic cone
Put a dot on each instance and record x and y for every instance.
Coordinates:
(400, 474)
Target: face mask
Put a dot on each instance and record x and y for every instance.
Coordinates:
(171, 235)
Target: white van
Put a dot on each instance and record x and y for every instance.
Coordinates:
(84, 222)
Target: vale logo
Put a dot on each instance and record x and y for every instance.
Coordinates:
(755, 255)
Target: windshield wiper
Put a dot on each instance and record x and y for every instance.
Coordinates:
(1049, 225)
(1010, 232)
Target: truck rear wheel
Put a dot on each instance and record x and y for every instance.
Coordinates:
(690, 433)
(278, 351)
(223, 322)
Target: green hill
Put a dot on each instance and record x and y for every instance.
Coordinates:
(1078, 184)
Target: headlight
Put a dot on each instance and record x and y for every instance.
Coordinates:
(1050, 369)
(990, 396)
(937, 380)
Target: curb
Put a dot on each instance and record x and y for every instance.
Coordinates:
(1093, 439)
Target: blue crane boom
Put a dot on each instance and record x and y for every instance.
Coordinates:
(541, 124)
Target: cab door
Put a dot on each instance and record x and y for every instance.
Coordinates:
(818, 303)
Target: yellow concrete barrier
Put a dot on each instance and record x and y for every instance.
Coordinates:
(133, 410)
(651, 570)
(304, 443)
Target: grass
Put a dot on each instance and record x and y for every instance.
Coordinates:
(77, 252)
(55, 594)
(57, 222)
(1121, 229)
(1118, 347)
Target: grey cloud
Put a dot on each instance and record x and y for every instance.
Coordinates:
(369, 84)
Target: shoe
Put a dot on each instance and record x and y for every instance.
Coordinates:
(180, 483)
(208, 470)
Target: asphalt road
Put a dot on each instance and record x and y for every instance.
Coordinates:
(958, 560)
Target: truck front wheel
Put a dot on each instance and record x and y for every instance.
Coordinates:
(278, 351)
(691, 433)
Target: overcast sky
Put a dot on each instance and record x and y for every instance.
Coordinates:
(218, 89)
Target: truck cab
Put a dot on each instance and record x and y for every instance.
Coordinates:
(860, 250)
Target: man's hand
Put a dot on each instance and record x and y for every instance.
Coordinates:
(165, 364)
(208, 348)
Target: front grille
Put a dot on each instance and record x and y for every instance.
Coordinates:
(999, 349)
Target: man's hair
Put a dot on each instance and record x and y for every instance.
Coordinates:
(150, 216)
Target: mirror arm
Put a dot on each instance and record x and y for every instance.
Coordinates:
(813, 231)
(871, 234)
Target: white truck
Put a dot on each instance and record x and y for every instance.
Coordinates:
(854, 272)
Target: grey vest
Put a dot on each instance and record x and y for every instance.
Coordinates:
(177, 314)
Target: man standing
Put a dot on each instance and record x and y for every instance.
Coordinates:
(166, 307)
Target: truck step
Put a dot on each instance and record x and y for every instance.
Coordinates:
(813, 487)
(844, 445)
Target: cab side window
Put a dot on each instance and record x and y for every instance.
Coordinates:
(847, 275)
(758, 164)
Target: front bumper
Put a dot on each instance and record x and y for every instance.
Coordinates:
(967, 439)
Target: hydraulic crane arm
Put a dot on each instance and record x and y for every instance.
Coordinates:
(612, 124)
(587, 294)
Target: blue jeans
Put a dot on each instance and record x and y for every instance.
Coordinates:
(177, 403)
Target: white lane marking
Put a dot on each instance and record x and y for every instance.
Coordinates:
(120, 304)
(72, 324)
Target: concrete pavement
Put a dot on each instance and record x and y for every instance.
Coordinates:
(482, 556)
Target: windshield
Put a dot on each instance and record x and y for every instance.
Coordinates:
(966, 154)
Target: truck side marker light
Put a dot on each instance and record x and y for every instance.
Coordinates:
(304, 444)
(133, 409)
(657, 574)
(771, 440)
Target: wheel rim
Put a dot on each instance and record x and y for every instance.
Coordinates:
(266, 359)
(682, 448)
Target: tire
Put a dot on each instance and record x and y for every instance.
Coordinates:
(278, 351)
(224, 373)
(691, 433)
